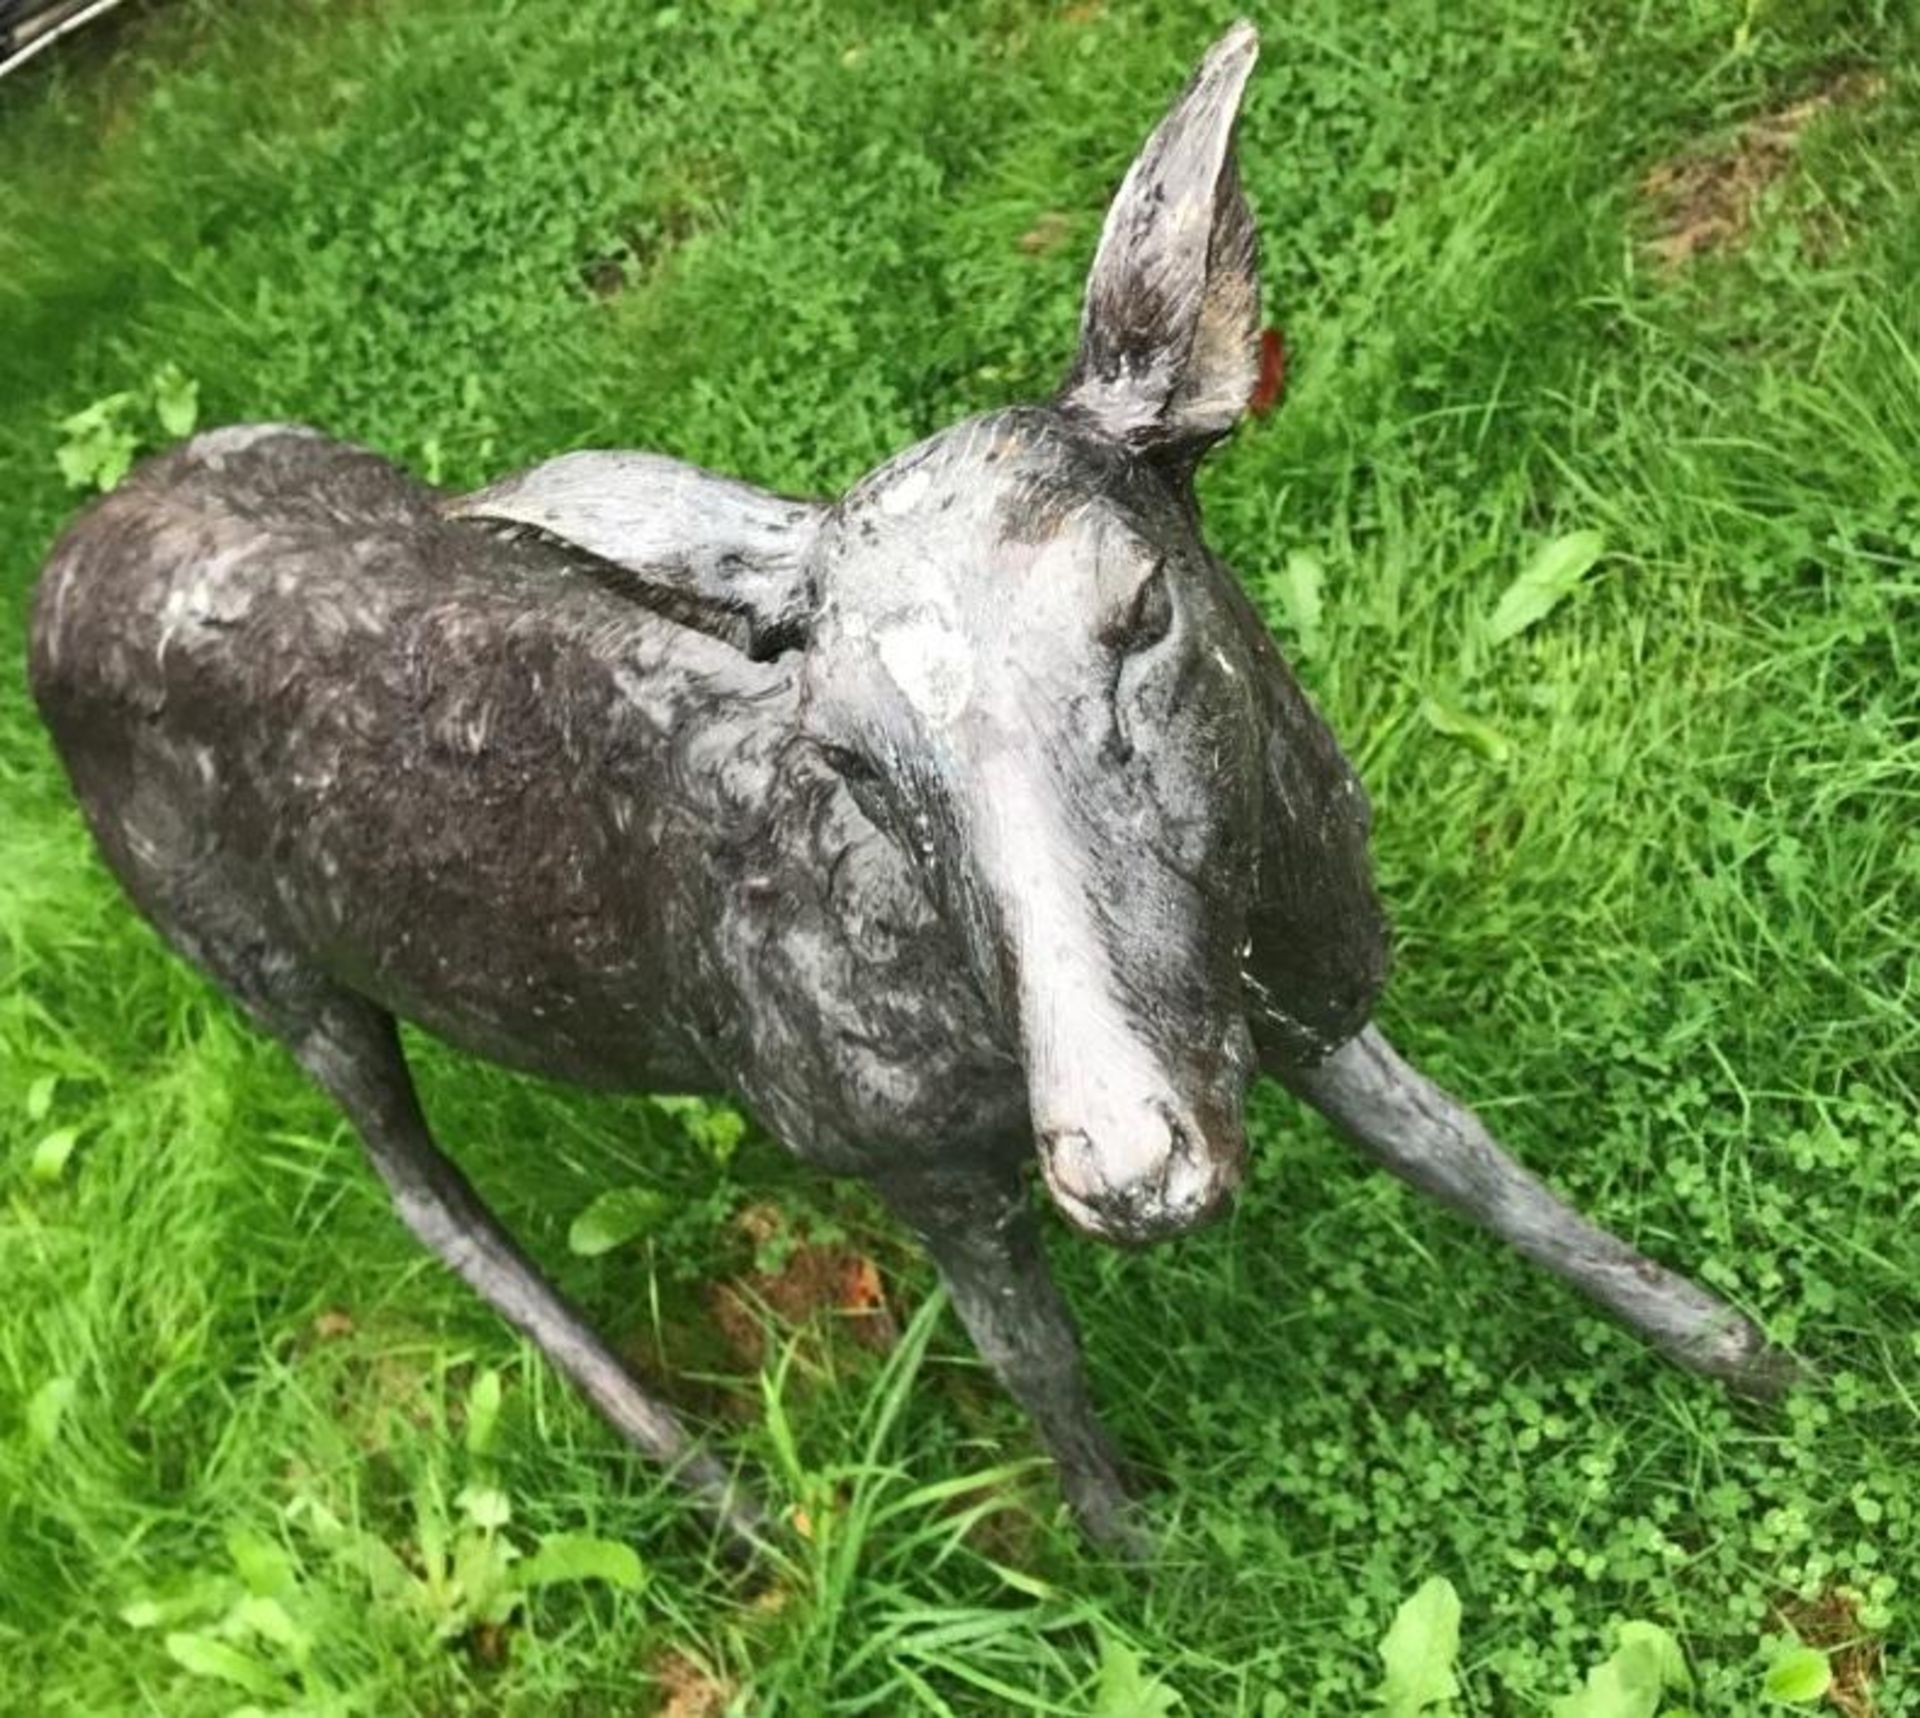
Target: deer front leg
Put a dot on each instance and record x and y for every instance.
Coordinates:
(1404, 1121)
(982, 1235)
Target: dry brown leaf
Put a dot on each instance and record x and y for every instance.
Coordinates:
(863, 1299)
(760, 1223)
(489, 1643)
(1048, 233)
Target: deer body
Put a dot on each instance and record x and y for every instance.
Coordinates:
(465, 779)
(968, 820)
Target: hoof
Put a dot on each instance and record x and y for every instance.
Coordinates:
(1111, 1520)
(742, 1530)
(1123, 1533)
(1741, 1357)
(1768, 1373)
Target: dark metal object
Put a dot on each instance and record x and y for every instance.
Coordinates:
(30, 27)
(970, 816)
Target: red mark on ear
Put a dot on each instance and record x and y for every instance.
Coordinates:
(1273, 373)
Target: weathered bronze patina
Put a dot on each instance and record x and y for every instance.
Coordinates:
(969, 818)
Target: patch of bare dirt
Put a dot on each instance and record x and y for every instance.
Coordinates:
(1704, 200)
(1832, 1624)
(377, 1374)
(687, 1690)
(812, 1277)
(1009, 1531)
(681, 206)
(697, 1347)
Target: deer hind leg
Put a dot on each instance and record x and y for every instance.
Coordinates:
(983, 1237)
(352, 1051)
(145, 798)
(1408, 1124)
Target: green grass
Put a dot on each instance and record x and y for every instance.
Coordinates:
(1665, 938)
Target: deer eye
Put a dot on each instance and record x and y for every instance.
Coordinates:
(1144, 619)
(847, 763)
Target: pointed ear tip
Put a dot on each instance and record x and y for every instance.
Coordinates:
(1220, 81)
(1240, 42)
(1242, 33)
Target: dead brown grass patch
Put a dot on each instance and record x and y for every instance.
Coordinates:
(686, 1688)
(1704, 200)
(1831, 1622)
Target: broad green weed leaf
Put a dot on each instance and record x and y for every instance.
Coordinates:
(40, 1097)
(76, 463)
(720, 1131)
(263, 1565)
(49, 1160)
(1627, 1685)
(1419, 1651)
(1127, 1691)
(1799, 1675)
(268, 1619)
(616, 1218)
(485, 1506)
(109, 408)
(378, 1564)
(483, 1588)
(1301, 582)
(46, 1410)
(202, 1655)
(116, 460)
(1549, 578)
(176, 400)
(566, 1557)
(716, 1128)
(483, 1411)
(184, 1599)
(1457, 724)
(99, 446)
(1669, 1661)
(1647, 1662)
(430, 1526)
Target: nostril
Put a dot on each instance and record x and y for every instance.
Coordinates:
(1180, 1148)
(1176, 1161)
(1158, 1171)
(1070, 1161)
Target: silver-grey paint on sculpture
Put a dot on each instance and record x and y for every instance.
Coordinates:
(967, 819)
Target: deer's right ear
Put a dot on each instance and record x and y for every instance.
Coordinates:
(706, 551)
(1170, 333)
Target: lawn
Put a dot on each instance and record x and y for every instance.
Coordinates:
(1545, 267)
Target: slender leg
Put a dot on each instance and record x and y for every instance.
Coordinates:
(982, 1235)
(1404, 1121)
(351, 1049)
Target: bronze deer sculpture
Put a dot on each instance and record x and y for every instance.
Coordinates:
(969, 818)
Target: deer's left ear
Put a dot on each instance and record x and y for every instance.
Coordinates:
(1170, 333)
(720, 556)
